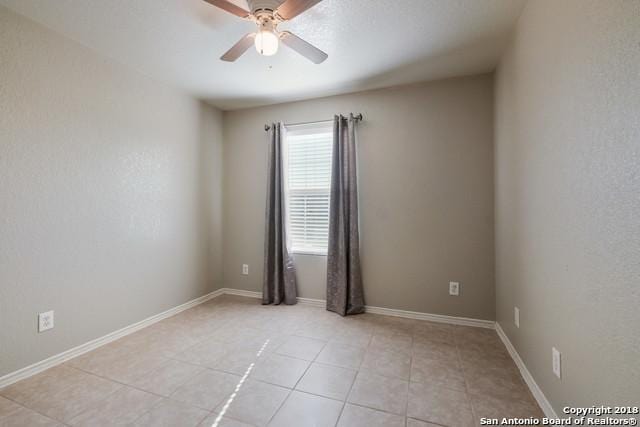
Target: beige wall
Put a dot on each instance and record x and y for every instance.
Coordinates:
(568, 197)
(426, 188)
(101, 214)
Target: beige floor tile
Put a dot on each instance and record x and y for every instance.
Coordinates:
(326, 380)
(167, 378)
(491, 407)
(258, 338)
(317, 331)
(280, 370)
(235, 334)
(387, 325)
(169, 413)
(61, 392)
(497, 382)
(390, 329)
(436, 336)
(206, 353)
(357, 416)
(238, 361)
(357, 338)
(417, 423)
(120, 408)
(256, 320)
(427, 327)
(439, 405)
(255, 403)
(163, 341)
(207, 390)
(8, 407)
(387, 363)
(346, 356)
(395, 343)
(211, 420)
(475, 361)
(468, 334)
(282, 326)
(94, 360)
(119, 363)
(484, 353)
(307, 410)
(301, 347)
(378, 392)
(53, 380)
(448, 374)
(435, 350)
(23, 417)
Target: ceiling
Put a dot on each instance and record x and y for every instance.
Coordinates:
(371, 43)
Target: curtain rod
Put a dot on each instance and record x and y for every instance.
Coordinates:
(358, 117)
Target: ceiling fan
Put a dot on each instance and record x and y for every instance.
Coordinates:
(267, 14)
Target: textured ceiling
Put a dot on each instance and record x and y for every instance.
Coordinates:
(371, 43)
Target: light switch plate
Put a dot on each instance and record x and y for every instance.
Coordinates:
(245, 269)
(45, 321)
(516, 316)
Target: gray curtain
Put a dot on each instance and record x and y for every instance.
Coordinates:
(344, 280)
(279, 272)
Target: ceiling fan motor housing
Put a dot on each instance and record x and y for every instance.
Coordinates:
(263, 5)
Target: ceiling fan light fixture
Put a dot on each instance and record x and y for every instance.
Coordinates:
(267, 14)
(267, 42)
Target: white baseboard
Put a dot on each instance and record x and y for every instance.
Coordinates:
(453, 320)
(528, 378)
(313, 302)
(258, 295)
(242, 293)
(98, 342)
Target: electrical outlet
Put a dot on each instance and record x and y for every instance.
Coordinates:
(245, 269)
(454, 288)
(45, 321)
(516, 316)
(557, 366)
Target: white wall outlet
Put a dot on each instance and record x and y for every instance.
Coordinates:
(454, 288)
(45, 321)
(516, 316)
(557, 366)
(245, 269)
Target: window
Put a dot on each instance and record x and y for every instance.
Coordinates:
(308, 166)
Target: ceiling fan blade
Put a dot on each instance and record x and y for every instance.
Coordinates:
(239, 48)
(304, 48)
(292, 8)
(229, 7)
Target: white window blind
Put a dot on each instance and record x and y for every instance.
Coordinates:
(309, 181)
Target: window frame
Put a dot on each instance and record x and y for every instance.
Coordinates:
(325, 127)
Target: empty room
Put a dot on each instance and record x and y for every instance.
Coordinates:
(319, 213)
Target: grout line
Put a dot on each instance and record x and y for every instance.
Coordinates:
(346, 399)
(464, 378)
(406, 406)
(379, 410)
(281, 405)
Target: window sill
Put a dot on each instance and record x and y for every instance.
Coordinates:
(312, 253)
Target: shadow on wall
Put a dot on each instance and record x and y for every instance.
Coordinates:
(210, 190)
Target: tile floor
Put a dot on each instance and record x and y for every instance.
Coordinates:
(232, 362)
